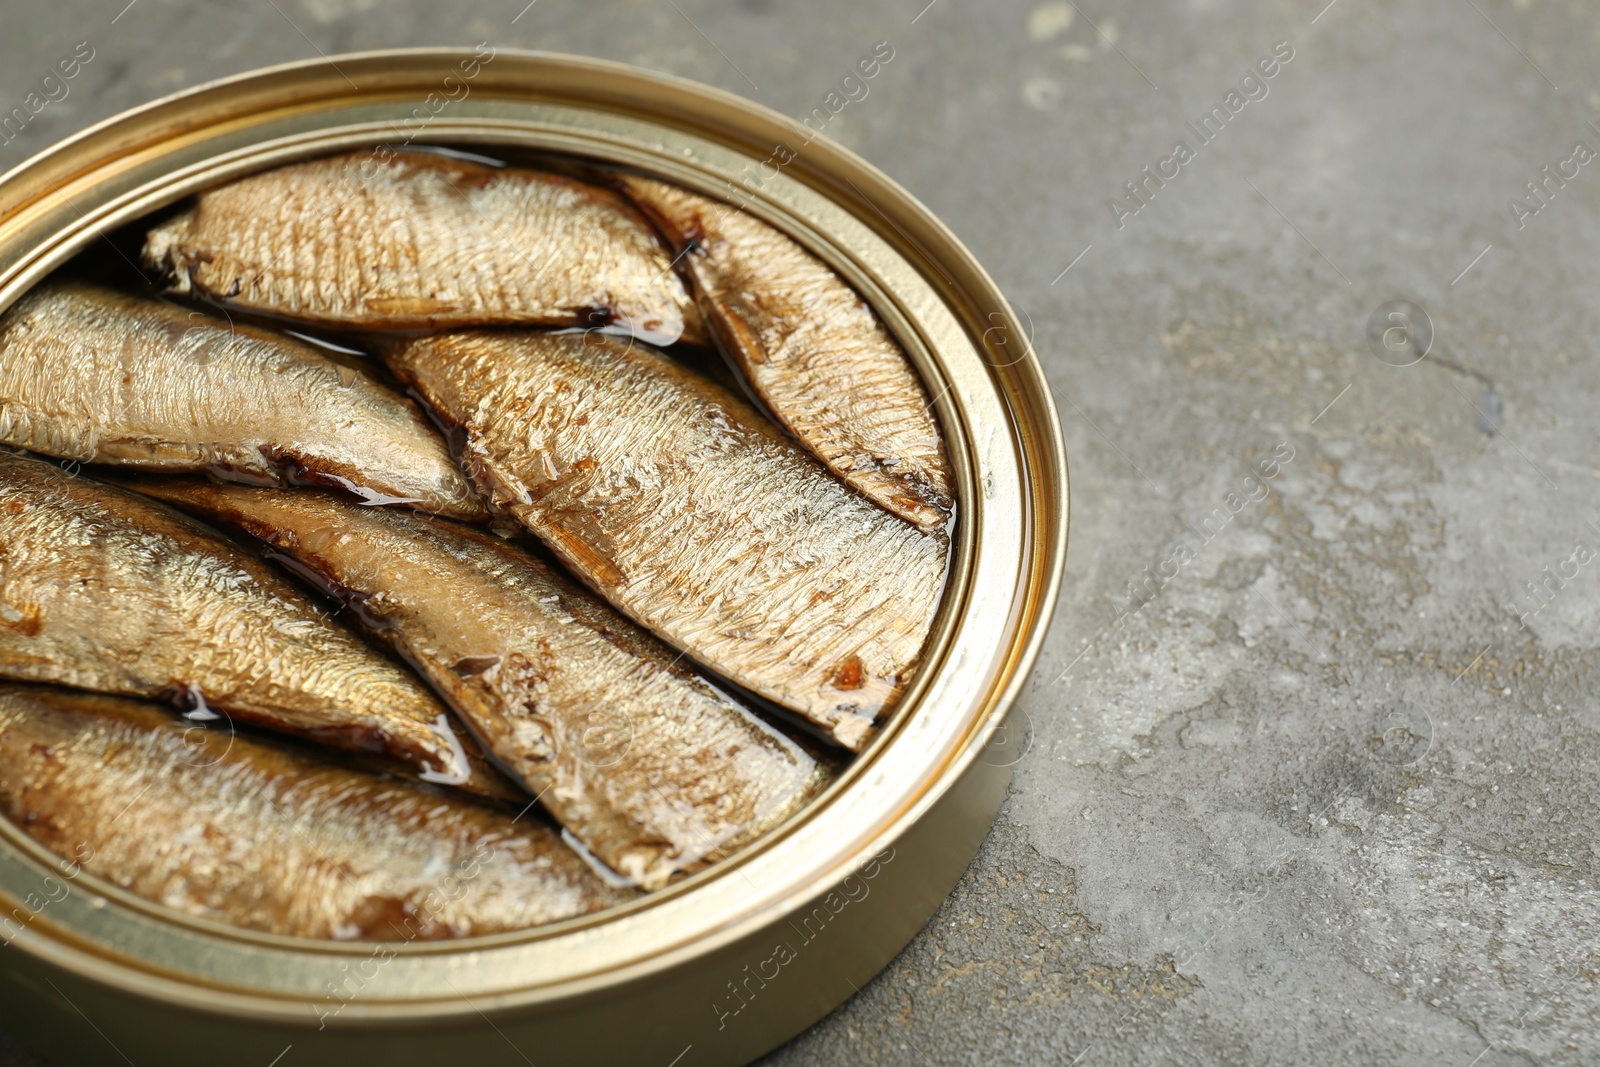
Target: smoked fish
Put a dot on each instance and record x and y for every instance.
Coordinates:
(224, 826)
(692, 514)
(93, 375)
(107, 590)
(811, 349)
(420, 241)
(651, 768)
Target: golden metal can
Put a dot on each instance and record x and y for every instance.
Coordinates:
(727, 964)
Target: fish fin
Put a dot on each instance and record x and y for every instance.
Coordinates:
(592, 560)
(163, 250)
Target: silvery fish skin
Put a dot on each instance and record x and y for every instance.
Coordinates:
(107, 590)
(812, 350)
(682, 506)
(93, 375)
(649, 767)
(222, 826)
(419, 241)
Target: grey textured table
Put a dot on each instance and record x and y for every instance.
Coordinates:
(1313, 756)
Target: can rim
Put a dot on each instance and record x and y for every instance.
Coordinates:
(707, 113)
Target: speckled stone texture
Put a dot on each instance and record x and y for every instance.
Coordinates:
(1313, 756)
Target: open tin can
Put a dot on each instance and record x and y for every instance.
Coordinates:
(723, 965)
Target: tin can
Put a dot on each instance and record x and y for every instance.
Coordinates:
(731, 962)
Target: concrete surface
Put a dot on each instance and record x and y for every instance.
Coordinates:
(1312, 791)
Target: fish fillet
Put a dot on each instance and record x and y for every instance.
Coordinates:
(107, 590)
(679, 504)
(422, 241)
(812, 350)
(650, 767)
(93, 375)
(227, 827)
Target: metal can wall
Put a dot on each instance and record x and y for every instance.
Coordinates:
(728, 963)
